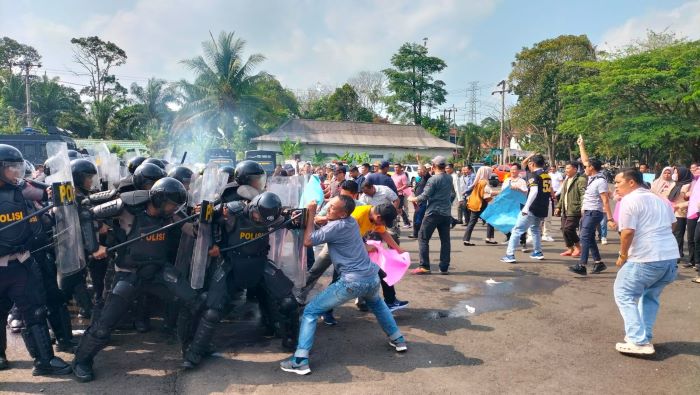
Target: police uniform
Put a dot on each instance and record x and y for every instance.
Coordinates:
(18, 283)
(141, 267)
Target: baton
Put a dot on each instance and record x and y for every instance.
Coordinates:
(183, 157)
(263, 235)
(126, 243)
(28, 217)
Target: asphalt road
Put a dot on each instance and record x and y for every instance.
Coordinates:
(541, 329)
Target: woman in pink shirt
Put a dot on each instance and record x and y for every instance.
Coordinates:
(400, 179)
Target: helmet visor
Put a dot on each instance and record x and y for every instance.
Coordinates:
(258, 181)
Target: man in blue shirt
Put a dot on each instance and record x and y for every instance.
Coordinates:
(358, 278)
(381, 177)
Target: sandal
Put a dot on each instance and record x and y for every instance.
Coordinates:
(696, 280)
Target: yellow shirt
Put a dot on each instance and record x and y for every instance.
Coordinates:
(361, 215)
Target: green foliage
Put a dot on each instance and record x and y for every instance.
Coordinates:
(536, 76)
(412, 83)
(438, 127)
(290, 148)
(115, 149)
(342, 105)
(318, 158)
(12, 52)
(644, 106)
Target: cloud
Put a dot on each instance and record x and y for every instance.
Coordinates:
(683, 20)
(304, 41)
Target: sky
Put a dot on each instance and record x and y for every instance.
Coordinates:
(309, 42)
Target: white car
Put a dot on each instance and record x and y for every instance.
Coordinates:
(412, 173)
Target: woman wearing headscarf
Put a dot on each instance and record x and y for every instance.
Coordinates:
(663, 185)
(678, 195)
(693, 225)
(476, 204)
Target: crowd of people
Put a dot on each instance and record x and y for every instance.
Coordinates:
(144, 239)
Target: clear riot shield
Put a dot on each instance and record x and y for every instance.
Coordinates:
(287, 249)
(70, 253)
(209, 187)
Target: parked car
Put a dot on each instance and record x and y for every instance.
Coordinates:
(412, 173)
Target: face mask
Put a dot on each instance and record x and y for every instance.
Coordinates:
(674, 177)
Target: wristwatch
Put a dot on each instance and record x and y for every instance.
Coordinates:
(621, 255)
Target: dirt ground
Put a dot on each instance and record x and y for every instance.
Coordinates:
(541, 329)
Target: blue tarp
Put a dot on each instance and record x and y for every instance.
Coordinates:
(503, 211)
(312, 191)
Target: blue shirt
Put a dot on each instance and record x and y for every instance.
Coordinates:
(382, 179)
(347, 249)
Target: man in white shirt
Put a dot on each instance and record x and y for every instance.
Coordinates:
(648, 254)
(376, 195)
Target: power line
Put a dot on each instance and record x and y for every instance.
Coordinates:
(473, 93)
(27, 66)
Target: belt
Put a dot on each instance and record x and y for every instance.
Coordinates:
(18, 256)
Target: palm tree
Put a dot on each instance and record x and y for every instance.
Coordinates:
(154, 99)
(102, 113)
(223, 95)
(50, 100)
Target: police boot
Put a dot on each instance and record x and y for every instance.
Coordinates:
(14, 321)
(200, 345)
(38, 343)
(64, 331)
(3, 346)
(89, 346)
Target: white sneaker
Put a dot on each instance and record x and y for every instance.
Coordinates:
(603, 241)
(547, 238)
(631, 348)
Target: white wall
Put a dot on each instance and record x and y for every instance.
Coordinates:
(377, 153)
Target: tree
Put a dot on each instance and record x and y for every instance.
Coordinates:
(371, 88)
(438, 127)
(50, 100)
(102, 112)
(536, 76)
(290, 148)
(225, 93)
(412, 84)
(12, 52)
(646, 105)
(154, 99)
(98, 57)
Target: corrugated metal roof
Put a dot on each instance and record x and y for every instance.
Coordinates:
(355, 133)
(126, 144)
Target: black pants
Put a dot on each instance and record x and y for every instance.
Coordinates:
(473, 219)
(462, 212)
(692, 237)
(98, 270)
(569, 228)
(431, 222)
(19, 285)
(74, 286)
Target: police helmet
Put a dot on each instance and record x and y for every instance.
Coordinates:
(134, 163)
(228, 170)
(146, 175)
(182, 174)
(11, 164)
(73, 154)
(82, 170)
(28, 169)
(265, 208)
(250, 173)
(168, 190)
(156, 162)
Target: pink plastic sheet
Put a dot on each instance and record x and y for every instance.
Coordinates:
(389, 260)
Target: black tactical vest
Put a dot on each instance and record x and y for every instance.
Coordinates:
(13, 208)
(151, 250)
(245, 230)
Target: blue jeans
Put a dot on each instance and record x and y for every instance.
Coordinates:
(637, 289)
(335, 295)
(589, 221)
(521, 226)
(603, 227)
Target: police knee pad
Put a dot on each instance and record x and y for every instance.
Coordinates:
(124, 289)
(101, 332)
(212, 315)
(38, 315)
(288, 305)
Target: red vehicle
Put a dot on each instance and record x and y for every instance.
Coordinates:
(501, 171)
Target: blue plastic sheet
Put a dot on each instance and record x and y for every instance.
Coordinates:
(312, 191)
(503, 211)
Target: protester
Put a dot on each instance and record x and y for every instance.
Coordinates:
(478, 200)
(678, 195)
(547, 224)
(419, 208)
(374, 195)
(358, 278)
(450, 170)
(569, 208)
(354, 173)
(437, 216)
(595, 206)
(364, 172)
(402, 187)
(381, 177)
(663, 185)
(534, 211)
(516, 183)
(693, 225)
(647, 258)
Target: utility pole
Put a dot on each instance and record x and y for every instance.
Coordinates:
(473, 101)
(27, 66)
(503, 92)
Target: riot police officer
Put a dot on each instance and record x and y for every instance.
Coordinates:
(126, 184)
(144, 266)
(249, 180)
(230, 170)
(182, 174)
(17, 283)
(248, 268)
